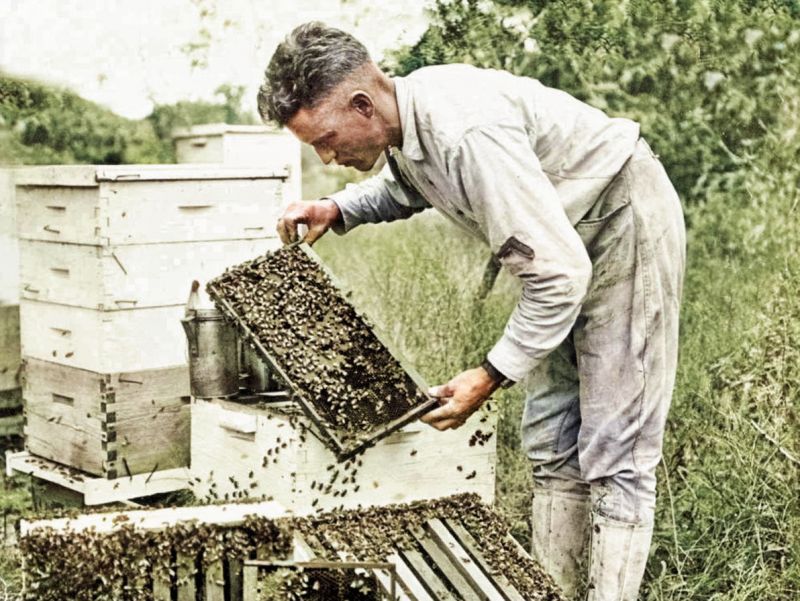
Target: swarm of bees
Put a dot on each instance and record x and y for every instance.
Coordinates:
(327, 350)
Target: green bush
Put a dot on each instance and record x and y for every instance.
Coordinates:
(704, 78)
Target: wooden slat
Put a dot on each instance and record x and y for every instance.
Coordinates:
(162, 589)
(409, 580)
(471, 545)
(186, 572)
(461, 559)
(437, 589)
(214, 582)
(450, 571)
(233, 514)
(250, 583)
(234, 578)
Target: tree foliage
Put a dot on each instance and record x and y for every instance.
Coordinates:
(42, 124)
(705, 78)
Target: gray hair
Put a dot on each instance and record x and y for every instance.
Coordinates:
(305, 68)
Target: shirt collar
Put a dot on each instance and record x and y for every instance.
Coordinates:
(405, 106)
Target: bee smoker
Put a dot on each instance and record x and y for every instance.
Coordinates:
(213, 350)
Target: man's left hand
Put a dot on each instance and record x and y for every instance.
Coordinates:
(460, 398)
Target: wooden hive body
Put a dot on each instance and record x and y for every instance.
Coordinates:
(242, 145)
(243, 451)
(107, 424)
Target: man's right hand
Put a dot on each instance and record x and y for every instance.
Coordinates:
(318, 216)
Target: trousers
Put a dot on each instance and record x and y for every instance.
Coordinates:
(596, 408)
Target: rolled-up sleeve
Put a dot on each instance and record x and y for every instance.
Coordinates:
(518, 209)
(375, 200)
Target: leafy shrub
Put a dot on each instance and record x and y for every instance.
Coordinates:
(704, 78)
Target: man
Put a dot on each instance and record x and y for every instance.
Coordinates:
(573, 203)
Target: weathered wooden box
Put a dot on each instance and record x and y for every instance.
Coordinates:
(114, 424)
(141, 204)
(130, 276)
(242, 145)
(247, 451)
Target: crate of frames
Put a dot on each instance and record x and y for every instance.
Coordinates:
(107, 258)
(448, 549)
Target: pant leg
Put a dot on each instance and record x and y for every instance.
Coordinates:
(626, 337)
(551, 419)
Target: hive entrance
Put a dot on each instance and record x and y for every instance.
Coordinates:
(294, 313)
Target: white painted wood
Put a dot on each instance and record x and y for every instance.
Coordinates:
(127, 276)
(103, 341)
(88, 176)
(147, 204)
(389, 473)
(97, 491)
(242, 145)
(231, 514)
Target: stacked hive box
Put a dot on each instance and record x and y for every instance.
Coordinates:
(241, 451)
(242, 145)
(10, 397)
(107, 257)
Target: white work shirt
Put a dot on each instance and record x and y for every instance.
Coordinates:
(506, 158)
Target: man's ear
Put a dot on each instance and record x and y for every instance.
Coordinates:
(362, 102)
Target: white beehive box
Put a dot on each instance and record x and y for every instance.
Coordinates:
(242, 145)
(127, 276)
(143, 204)
(234, 452)
(108, 255)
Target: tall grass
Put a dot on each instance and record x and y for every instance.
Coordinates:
(728, 516)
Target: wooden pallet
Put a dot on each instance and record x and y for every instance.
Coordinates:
(97, 490)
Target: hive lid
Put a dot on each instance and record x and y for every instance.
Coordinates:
(399, 393)
(218, 129)
(90, 176)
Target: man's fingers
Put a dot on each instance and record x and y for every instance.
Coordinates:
(446, 411)
(315, 233)
(443, 391)
(451, 423)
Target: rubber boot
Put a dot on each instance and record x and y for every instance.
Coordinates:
(617, 558)
(560, 535)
